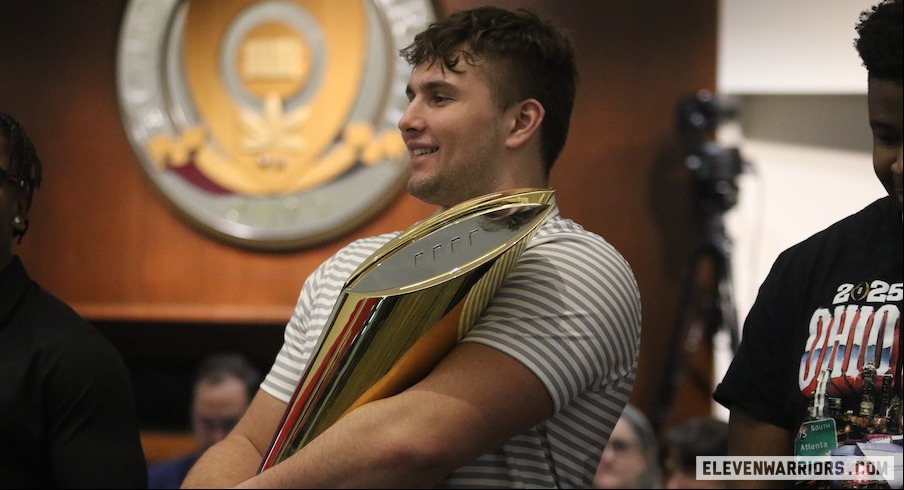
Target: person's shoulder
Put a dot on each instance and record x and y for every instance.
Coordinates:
(36, 302)
(56, 326)
(57, 307)
(882, 210)
(376, 240)
(364, 246)
(558, 228)
(45, 310)
(567, 235)
(876, 216)
(563, 244)
(343, 261)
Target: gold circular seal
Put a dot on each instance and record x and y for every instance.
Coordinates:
(269, 124)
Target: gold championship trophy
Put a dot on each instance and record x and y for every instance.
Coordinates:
(405, 307)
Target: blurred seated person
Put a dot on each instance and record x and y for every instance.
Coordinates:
(631, 457)
(223, 387)
(698, 436)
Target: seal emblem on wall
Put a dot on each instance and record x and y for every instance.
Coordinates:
(269, 124)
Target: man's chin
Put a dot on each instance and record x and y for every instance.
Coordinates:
(423, 191)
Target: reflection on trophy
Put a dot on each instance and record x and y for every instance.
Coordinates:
(405, 307)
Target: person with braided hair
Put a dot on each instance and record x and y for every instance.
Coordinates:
(67, 410)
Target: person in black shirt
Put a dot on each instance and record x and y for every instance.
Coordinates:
(67, 414)
(820, 357)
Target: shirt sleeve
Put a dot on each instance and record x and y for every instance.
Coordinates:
(757, 379)
(570, 312)
(92, 425)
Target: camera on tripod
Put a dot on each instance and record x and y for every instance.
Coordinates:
(715, 168)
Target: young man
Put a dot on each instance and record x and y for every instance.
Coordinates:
(822, 342)
(67, 413)
(530, 395)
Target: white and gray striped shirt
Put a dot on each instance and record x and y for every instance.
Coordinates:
(569, 310)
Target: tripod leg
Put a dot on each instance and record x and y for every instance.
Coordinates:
(684, 337)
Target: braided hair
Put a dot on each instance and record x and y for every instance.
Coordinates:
(24, 164)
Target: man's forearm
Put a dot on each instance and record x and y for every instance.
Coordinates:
(226, 464)
(370, 447)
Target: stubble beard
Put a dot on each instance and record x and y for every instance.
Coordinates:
(438, 191)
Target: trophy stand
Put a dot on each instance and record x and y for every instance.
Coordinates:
(707, 300)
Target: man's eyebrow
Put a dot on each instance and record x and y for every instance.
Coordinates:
(431, 85)
(881, 125)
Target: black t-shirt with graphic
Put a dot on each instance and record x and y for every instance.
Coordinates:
(823, 338)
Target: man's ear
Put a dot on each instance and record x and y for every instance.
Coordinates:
(526, 118)
(21, 204)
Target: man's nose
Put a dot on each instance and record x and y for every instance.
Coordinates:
(410, 119)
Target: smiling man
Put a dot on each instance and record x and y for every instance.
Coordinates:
(531, 393)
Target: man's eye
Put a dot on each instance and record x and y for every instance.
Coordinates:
(887, 139)
(886, 134)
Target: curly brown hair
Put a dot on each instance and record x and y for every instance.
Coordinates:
(530, 58)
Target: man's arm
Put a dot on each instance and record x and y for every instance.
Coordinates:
(92, 420)
(473, 401)
(238, 457)
(748, 436)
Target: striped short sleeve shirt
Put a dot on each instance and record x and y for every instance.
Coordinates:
(569, 311)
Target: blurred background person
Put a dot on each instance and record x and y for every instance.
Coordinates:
(698, 436)
(223, 387)
(67, 411)
(631, 457)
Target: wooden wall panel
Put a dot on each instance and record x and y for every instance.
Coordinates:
(101, 236)
(103, 240)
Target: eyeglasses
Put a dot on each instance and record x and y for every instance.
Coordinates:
(6, 175)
